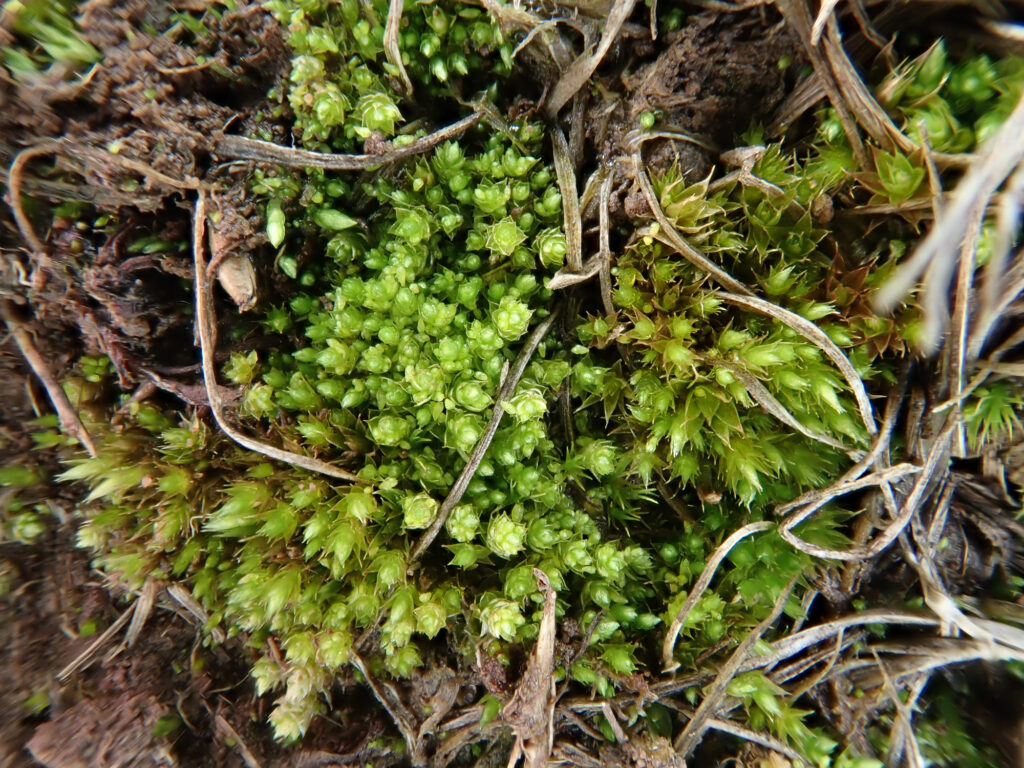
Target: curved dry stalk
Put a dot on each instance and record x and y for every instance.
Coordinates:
(570, 201)
(531, 710)
(206, 324)
(669, 644)
(680, 136)
(545, 26)
(687, 741)
(829, 657)
(878, 448)
(184, 598)
(579, 72)
(770, 405)
(934, 178)
(820, 339)
(391, 49)
(800, 641)
(15, 176)
(511, 14)
(782, 674)
(565, 277)
(400, 714)
(915, 659)
(687, 251)
(798, 18)
(66, 412)
(505, 391)
(103, 157)
(242, 148)
(231, 737)
(143, 607)
(1001, 156)
(754, 737)
(883, 540)
(862, 102)
(86, 657)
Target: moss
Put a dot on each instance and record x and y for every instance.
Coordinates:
(409, 293)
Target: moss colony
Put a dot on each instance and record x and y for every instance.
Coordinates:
(414, 289)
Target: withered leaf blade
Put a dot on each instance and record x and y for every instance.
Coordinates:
(530, 713)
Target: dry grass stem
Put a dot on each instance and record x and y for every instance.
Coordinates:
(754, 737)
(770, 405)
(511, 14)
(680, 136)
(830, 657)
(909, 659)
(101, 158)
(15, 177)
(798, 19)
(184, 598)
(934, 177)
(820, 339)
(86, 657)
(66, 412)
(786, 672)
(505, 392)
(1003, 153)
(566, 278)
(580, 723)
(536, 28)
(242, 148)
(797, 642)
(861, 101)
(224, 729)
(206, 324)
(531, 710)
(605, 251)
(902, 732)
(687, 251)
(956, 348)
(570, 201)
(1013, 281)
(691, 735)
(579, 72)
(883, 540)
(400, 714)
(77, 152)
(391, 49)
(827, 9)
(669, 664)
(1008, 218)
(143, 607)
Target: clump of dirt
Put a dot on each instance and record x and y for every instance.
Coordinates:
(102, 731)
(716, 76)
(130, 137)
(705, 84)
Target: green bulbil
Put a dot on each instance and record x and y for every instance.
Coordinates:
(338, 86)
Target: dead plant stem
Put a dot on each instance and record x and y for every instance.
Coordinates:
(505, 391)
(66, 412)
(206, 331)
